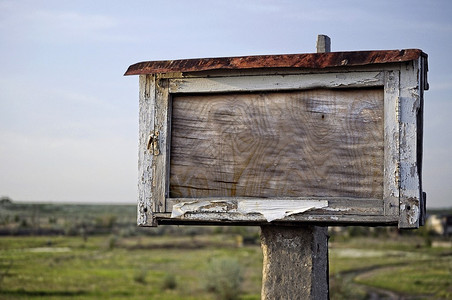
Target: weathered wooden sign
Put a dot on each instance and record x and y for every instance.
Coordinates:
(333, 138)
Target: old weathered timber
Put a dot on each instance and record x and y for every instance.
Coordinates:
(146, 204)
(332, 138)
(311, 143)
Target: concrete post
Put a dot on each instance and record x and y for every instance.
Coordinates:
(295, 262)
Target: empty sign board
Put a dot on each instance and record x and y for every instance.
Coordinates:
(327, 138)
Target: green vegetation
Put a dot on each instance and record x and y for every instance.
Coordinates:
(96, 252)
(60, 267)
(397, 266)
(169, 282)
(424, 277)
(224, 278)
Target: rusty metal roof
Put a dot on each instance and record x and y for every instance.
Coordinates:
(307, 61)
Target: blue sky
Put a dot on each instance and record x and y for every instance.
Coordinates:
(69, 119)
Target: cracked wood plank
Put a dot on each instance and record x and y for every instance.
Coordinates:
(410, 177)
(145, 159)
(276, 82)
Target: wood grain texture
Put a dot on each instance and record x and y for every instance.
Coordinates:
(145, 159)
(392, 144)
(275, 82)
(315, 143)
(159, 180)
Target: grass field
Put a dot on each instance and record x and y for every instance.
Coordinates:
(108, 267)
(132, 268)
(97, 252)
(394, 267)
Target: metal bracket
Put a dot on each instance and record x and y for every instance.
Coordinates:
(153, 142)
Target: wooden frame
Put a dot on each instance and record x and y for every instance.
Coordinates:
(402, 203)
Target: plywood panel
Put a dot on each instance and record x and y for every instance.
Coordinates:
(316, 143)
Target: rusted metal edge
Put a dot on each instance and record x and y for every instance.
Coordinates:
(308, 61)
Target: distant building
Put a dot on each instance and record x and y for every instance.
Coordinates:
(440, 224)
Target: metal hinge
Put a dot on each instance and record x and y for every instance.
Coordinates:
(153, 142)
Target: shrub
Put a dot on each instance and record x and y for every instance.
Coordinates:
(223, 278)
(106, 221)
(342, 288)
(23, 223)
(169, 282)
(112, 241)
(140, 276)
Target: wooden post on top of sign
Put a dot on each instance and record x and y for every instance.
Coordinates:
(295, 264)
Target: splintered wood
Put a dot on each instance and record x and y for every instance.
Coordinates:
(312, 143)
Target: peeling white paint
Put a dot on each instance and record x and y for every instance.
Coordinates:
(412, 213)
(271, 210)
(410, 189)
(279, 209)
(182, 208)
(414, 216)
